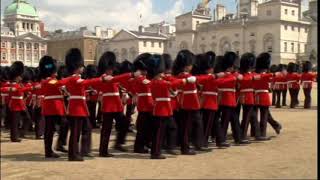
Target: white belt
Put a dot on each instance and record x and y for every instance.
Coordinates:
(33, 95)
(280, 83)
(227, 90)
(190, 92)
(4, 95)
(17, 97)
(144, 94)
(246, 90)
(77, 97)
(261, 91)
(292, 81)
(306, 81)
(111, 94)
(53, 97)
(210, 93)
(41, 96)
(163, 99)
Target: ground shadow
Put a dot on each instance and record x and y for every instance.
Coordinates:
(31, 157)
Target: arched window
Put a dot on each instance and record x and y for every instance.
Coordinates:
(36, 46)
(21, 45)
(29, 46)
(225, 45)
(268, 42)
(183, 45)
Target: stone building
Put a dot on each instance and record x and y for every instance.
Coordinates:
(21, 35)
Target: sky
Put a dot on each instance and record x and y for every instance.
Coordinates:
(72, 14)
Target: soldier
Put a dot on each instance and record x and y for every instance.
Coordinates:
(293, 84)
(307, 79)
(227, 98)
(162, 111)
(77, 110)
(144, 104)
(112, 107)
(273, 70)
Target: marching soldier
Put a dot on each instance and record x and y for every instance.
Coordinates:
(293, 84)
(307, 79)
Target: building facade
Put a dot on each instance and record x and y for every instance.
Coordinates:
(87, 41)
(21, 38)
(312, 44)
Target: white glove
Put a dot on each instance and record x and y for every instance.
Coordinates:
(240, 77)
(107, 78)
(257, 77)
(192, 79)
(38, 86)
(137, 73)
(221, 74)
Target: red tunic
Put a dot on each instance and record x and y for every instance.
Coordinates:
(16, 102)
(5, 95)
(53, 102)
(173, 92)
(209, 94)
(261, 89)
(143, 93)
(76, 87)
(280, 82)
(293, 80)
(307, 80)
(111, 101)
(28, 94)
(227, 90)
(161, 94)
(246, 89)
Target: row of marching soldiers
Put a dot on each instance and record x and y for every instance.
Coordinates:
(180, 103)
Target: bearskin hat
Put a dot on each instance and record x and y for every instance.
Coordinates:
(47, 67)
(140, 62)
(16, 69)
(90, 71)
(292, 67)
(184, 58)
(307, 66)
(28, 74)
(273, 68)
(62, 72)
(219, 61)
(74, 60)
(156, 65)
(168, 61)
(126, 67)
(263, 61)
(229, 60)
(107, 62)
(247, 62)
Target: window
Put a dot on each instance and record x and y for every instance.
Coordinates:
(3, 56)
(269, 12)
(152, 44)
(23, 25)
(292, 12)
(3, 44)
(27, 25)
(286, 11)
(36, 46)
(236, 34)
(184, 23)
(13, 56)
(285, 27)
(252, 34)
(198, 22)
(285, 47)
(21, 45)
(292, 28)
(292, 47)
(13, 45)
(31, 26)
(144, 43)
(29, 46)
(160, 44)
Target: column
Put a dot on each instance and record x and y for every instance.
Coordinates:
(39, 49)
(9, 51)
(17, 50)
(32, 54)
(25, 52)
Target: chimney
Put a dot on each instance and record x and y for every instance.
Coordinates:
(98, 31)
(141, 29)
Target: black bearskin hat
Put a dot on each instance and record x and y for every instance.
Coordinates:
(140, 62)
(126, 67)
(184, 58)
(74, 60)
(90, 71)
(281, 67)
(307, 66)
(156, 65)
(219, 61)
(28, 74)
(247, 62)
(229, 60)
(168, 61)
(107, 61)
(47, 67)
(273, 68)
(203, 63)
(292, 67)
(16, 69)
(62, 72)
(263, 61)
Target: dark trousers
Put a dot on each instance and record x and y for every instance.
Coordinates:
(264, 114)
(217, 118)
(211, 122)
(191, 124)
(274, 124)
(246, 111)
(130, 111)
(143, 136)
(307, 95)
(177, 118)
(7, 117)
(228, 114)
(99, 114)
(157, 134)
(278, 98)
(38, 122)
(79, 126)
(92, 105)
(121, 126)
(16, 117)
(51, 121)
(254, 123)
(284, 97)
(274, 97)
(170, 133)
(294, 97)
(31, 113)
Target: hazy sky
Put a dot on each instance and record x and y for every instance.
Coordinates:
(71, 14)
